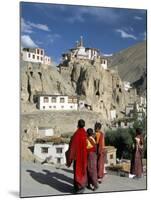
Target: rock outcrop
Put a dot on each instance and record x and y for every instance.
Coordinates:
(101, 89)
(40, 79)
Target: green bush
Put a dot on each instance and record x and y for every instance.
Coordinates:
(122, 140)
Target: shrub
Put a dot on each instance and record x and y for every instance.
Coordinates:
(122, 140)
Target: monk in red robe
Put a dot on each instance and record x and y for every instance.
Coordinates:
(100, 141)
(92, 160)
(136, 170)
(77, 154)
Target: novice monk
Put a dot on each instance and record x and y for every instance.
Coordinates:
(92, 160)
(100, 151)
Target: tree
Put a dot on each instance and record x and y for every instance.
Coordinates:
(122, 140)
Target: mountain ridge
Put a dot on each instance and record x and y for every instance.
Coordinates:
(131, 64)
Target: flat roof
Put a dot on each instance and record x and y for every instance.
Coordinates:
(50, 95)
(52, 139)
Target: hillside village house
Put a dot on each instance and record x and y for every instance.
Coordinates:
(141, 105)
(53, 153)
(57, 102)
(36, 55)
(129, 110)
(45, 131)
(123, 123)
(110, 155)
(113, 114)
(80, 52)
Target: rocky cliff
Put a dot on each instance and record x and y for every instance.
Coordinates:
(101, 89)
(40, 79)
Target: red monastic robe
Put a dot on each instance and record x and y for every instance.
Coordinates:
(92, 162)
(136, 162)
(78, 153)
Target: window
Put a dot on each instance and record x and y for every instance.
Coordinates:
(54, 107)
(71, 106)
(46, 99)
(43, 107)
(53, 100)
(37, 51)
(33, 56)
(62, 106)
(59, 150)
(69, 100)
(28, 55)
(41, 52)
(44, 149)
(50, 107)
(37, 57)
(58, 160)
(74, 100)
(41, 59)
(62, 100)
(111, 156)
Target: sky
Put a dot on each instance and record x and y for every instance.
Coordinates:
(56, 27)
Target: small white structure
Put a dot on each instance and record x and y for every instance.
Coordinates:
(57, 102)
(143, 101)
(141, 105)
(113, 114)
(127, 85)
(110, 155)
(128, 109)
(36, 55)
(124, 124)
(103, 63)
(45, 131)
(140, 116)
(55, 153)
(81, 104)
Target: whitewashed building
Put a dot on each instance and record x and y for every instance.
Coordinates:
(45, 131)
(141, 105)
(113, 114)
(124, 124)
(127, 85)
(36, 55)
(53, 153)
(80, 52)
(103, 63)
(129, 109)
(110, 155)
(57, 102)
(81, 104)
